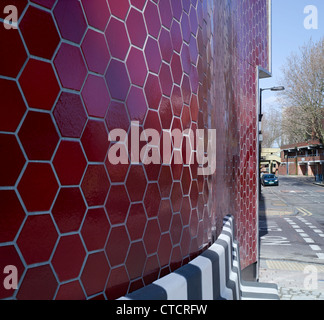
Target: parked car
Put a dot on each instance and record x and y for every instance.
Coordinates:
(269, 180)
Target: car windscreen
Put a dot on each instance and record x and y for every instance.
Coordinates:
(269, 176)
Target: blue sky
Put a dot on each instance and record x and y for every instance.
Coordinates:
(288, 35)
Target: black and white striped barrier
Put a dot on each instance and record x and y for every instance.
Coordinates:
(214, 275)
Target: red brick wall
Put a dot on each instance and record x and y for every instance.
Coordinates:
(78, 227)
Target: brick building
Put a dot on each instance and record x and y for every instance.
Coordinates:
(304, 159)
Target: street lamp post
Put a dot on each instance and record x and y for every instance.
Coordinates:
(280, 88)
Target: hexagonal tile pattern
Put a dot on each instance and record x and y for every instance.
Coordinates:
(39, 32)
(10, 65)
(72, 26)
(95, 229)
(39, 84)
(12, 215)
(37, 239)
(70, 115)
(11, 161)
(95, 51)
(68, 257)
(38, 136)
(70, 67)
(12, 110)
(95, 96)
(69, 209)
(84, 227)
(69, 162)
(31, 187)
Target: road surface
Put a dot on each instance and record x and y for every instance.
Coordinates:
(291, 230)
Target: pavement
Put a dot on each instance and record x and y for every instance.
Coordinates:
(292, 238)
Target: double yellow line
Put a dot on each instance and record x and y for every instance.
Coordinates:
(304, 212)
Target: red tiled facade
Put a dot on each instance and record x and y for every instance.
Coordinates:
(73, 224)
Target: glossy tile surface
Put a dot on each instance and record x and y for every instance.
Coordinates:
(77, 226)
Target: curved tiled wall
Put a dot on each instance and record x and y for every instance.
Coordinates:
(73, 224)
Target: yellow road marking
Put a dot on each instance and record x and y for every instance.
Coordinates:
(304, 211)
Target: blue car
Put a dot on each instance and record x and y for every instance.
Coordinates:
(269, 180)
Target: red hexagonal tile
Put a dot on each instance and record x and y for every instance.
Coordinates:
(165, 112)
(70, 291)
(176, 101)
(176, 36)
(69, 210)
(39, 283)
(153, 91)
(136, 105)
(176, 259)
(136, 221)
(152, 200)
(95, 185)
(97, 13)
(10, 64)
(9, 257)
(95, 229)
(12, 215)
(119, 9)
(176, 68)
(153, 55)
(117, 204)
(176, 9)
(38, 136)
(152, 19)
(117, 246)
(117, 39)
(72, 26)
(186, 180)
(136, 28)
(69, 163)
(95, 51)
(185, 241)
(194, 108)
(95, 273)
(165, 215)
(70, 115)
(166, 79)
(136, 183)
(118, 89)
(11, 161)
(136, 259)
(95, 141)
(118, 283)
(185, 58)
(176, 229)
(165, 45)
(117, 117)
(165, 13)
(95, 96)
(193, 224)
(39, 84)
(39, 32)
(165, 181)
(194, 194)
(70, 67)
(152, 236)
(37, 239)
(176, 196)
(151, 270)
(185, 27)
(38, 187)
(68, 257)
(164, 250)
(45, 3)
(12, 110)
(136, 67)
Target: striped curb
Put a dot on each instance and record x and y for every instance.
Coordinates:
(214, 275)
